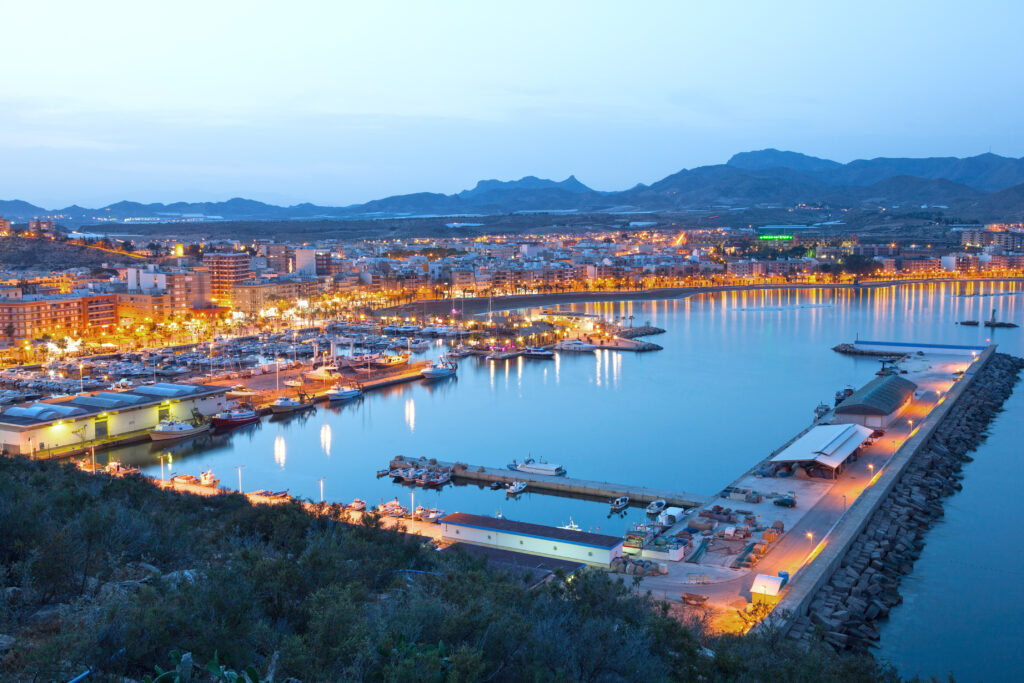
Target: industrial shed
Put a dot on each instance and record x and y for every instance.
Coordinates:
(826, 445)
(535, 539)
(102, 416)
(877, 403)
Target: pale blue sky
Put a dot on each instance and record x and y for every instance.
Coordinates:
(342, 102)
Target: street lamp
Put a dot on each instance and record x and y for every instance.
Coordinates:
(169, 458)
(871, 466)
(321, 480)
(239, 468)
(81, 377)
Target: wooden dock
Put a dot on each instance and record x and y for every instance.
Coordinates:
(564, 485)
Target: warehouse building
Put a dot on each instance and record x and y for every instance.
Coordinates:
(102, 416)
(877, 403)
(827, 446)
(534, 539)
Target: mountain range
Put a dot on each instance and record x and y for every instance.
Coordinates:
(987, 186)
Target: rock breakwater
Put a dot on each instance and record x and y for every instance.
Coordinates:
(846, 610)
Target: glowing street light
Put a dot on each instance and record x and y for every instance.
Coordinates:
(239, 468)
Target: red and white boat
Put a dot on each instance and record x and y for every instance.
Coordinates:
(235, 418)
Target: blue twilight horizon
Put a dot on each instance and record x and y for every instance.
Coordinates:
(338, 103)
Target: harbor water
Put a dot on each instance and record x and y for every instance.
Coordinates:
(740, 373)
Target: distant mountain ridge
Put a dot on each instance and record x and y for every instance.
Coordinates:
(987, 185)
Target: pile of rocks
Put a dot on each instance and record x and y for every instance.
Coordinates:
(627, 565)
(633, 332)
(847, 609)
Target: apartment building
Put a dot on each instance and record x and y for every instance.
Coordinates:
(227, 269)
(32, 315)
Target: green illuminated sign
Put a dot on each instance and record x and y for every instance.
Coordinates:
(775, 237)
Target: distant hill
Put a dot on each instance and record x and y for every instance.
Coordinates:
(983, 186)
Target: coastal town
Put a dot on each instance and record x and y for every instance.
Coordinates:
(154, 292)
(168, 340)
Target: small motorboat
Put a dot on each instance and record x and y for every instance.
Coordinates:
(969, 323)
(440, 370)
(287, 404)
(343, 393)
(235, 418)
(656, 507)
(358, 505)
(515, 488)
(539, 353)
(619, 504)
(116, 469)
(383, 472)
(495, 485)
(293, 383)
(176, 429)
(240, 391)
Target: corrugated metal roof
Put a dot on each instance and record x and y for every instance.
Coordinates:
(880, 396)
(829, 445)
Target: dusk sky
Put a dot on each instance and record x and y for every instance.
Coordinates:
(337, 103)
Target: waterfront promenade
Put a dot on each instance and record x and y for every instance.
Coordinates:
(478, 305)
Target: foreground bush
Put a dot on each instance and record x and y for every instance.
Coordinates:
(113, 575)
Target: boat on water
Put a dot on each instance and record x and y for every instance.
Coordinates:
(656, 507)
(574, 345)
(969, 323)
(287, 404)
(176, 429)
(531, 466)
(293, 383)
(571, 526)
(821, 410)
(515, 488)
(343, 393)
(460, 352)
(539, 353)
(235, 418)
(619, 504)
(391, 361)
(443, 368)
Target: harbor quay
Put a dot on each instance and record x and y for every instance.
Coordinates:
(796, 547)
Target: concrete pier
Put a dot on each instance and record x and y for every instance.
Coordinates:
(565, 485)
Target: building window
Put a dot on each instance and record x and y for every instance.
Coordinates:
(100, 426)
(163, 412)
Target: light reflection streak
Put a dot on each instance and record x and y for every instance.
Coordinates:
(410, 414)
(280, 451)
(325, 438)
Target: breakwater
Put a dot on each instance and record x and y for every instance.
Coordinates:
(864, 585)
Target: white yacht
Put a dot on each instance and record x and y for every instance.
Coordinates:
(515, 488)
(439, 370)
(531, 466)
(176, 429)
(343, 393)
(574, 345)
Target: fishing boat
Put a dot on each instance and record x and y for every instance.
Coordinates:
(619, 504)
(293, 383)
(358, 505)
(357, 360)
(425, 514)
(539, 353)
(287, 404)
(515, 488)
(969, 323)
(235, 418)
(208, 479)
(343, 393)
(531, 466)
(821, 410)
(443, 368)
(391, 361)
(383, 472)
(574, 345)
(176, 429)
(116, 469)
(571, 526)
(656, 507)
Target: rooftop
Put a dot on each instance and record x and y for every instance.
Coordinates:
(94, 403)
(880, 396)
(536, 530)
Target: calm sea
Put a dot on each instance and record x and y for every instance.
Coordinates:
(740, 373)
